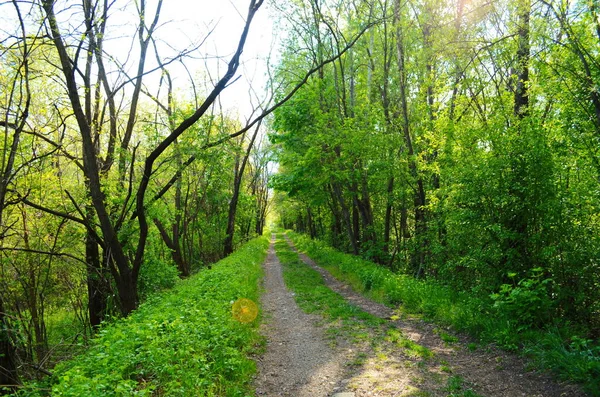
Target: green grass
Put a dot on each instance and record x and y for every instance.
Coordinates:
(182, 342)
(556, 349)
(457, 388)
(341, 318)
(411, 348)
(313, 296)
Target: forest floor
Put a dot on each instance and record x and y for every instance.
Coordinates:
(405, 357)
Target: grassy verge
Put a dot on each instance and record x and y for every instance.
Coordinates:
(183, 342)
(554, 348)
(313, 296)
(340, 317)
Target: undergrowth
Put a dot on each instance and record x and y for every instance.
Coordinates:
(182, 342)
(554, 347)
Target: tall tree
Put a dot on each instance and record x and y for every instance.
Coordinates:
(13, 122)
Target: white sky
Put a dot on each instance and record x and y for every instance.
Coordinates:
(188, 21)
(182, 24)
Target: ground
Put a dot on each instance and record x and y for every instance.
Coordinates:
(402, 357)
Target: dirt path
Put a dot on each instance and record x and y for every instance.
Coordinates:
(298, 361)
(489, 373)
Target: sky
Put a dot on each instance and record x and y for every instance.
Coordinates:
(182, 24)
(185, 22)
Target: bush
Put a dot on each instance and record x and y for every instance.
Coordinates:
(156, 275)
(528, 302)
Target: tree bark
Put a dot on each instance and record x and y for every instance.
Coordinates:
(174, 247)
(388, 215)
(337, 191)
(418, 257)
(311, 223)
(9, 375)
(237, 184)
(521, 101)
(97, 285)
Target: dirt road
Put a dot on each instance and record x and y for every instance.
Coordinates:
(300, 361)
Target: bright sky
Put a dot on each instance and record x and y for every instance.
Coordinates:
(182, 25)
(188, 21)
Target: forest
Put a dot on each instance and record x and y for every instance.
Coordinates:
(454, 142)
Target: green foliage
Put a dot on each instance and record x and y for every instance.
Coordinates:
(410, 347)
(456, 388)
(156, 274)
(416, 156)
(416, 296)
(180, 342)
(528, 302)
(573, 358)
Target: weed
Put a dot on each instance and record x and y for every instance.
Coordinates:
(179, 342)
(455, 383)
(456, 388)
(411, 348)
(447, 338)
(359, 359)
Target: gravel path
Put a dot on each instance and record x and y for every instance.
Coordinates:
(298, 361)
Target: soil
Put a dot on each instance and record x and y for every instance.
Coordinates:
(298, 360)
(301, 361)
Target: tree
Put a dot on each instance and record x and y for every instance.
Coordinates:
(477, 147)
(240, 167)
(15, 114)
(124, 266)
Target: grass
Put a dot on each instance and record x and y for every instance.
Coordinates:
(342, 319)
(457, 388)
(182, 342)
(313, 296)
(411, 348)
(556, 349)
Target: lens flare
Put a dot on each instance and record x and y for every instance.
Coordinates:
(244, 310)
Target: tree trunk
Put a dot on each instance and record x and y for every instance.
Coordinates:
(336, 225)
(97, 284)
(521, 102)
(311, 224)
(337, 190)
(237, 184)
(175, 248)
(388, 215)
(127, 288)
(355, 224)
(9, 376)
(237, 181)
(418, 257)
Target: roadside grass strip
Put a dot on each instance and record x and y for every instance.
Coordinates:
(431, 300)
(182, 342)
(341, 318)
(551, 348)
(313, 296)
